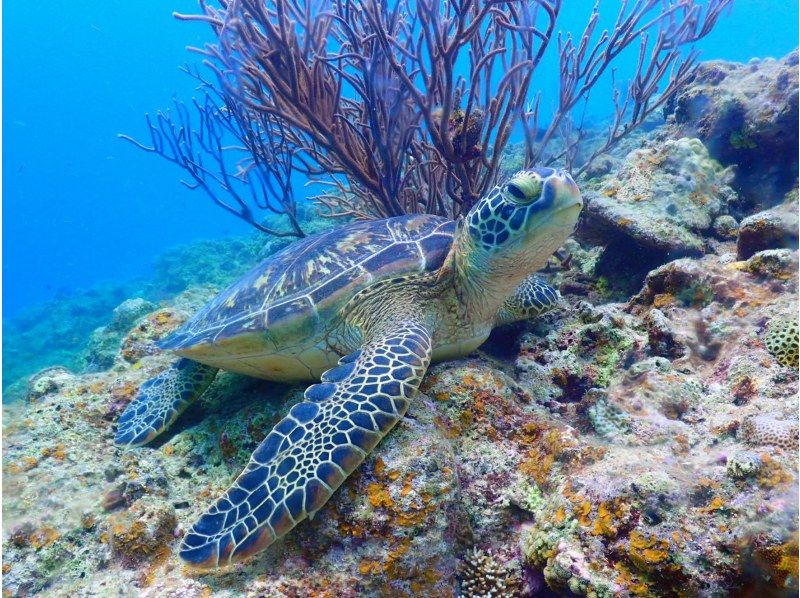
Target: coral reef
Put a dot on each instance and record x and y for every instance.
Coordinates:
(639, 440)
(663, 197)
(104, 342)
(54, 333)
(763, 430)
(482, 577)
(659, 202)
(599, 462)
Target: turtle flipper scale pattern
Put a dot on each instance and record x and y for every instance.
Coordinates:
(161, 400)
(308, 455)
(532, 298)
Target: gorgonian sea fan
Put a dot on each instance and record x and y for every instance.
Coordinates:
(407, 106)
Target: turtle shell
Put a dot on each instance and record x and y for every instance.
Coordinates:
(295, 292)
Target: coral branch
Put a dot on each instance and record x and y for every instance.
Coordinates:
(406, 106)
(676, 25)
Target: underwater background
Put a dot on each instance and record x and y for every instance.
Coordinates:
(639, 440)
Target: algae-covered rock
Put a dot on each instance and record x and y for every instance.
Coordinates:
(772, 263)
(143, 531)
(666, 200)
(746, 114)
(104, 342)
(142, 339)
(726, 227)
(50, 380)
(775, 228)
(661, 198)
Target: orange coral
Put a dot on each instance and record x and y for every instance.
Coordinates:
(149, 574)
(716, 504)
(780, 560)
(379, 496)
(772, 474)
(663, 300)
(29, 463)
(647, 552)
(56, 452)
(43, 536)
(552, 446)
(610, 516)
(628, 580)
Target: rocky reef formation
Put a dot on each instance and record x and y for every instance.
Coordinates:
(746, 114)
(54, 333)
(640, 440)
(661, 202)
(637, 448)
(771, 229)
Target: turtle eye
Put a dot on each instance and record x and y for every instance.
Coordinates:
(523, 188)
(515, 191)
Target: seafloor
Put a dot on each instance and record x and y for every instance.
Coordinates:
(640, 440)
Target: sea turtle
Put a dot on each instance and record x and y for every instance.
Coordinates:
(365, 307)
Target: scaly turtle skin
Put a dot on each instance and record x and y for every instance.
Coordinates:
(365, 308)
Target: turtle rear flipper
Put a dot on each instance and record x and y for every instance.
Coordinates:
(161, 400)
(307, 456)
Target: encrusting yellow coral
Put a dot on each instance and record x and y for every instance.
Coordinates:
(781, 340)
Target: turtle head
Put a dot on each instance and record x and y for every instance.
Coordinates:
(533, 206)
(520, 223)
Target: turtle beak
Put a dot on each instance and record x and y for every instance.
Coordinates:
(567, 194)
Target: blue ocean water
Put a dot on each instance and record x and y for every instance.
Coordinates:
(82, 207)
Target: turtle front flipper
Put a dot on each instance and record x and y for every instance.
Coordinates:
(308, 455)
(532, 298)
(161, 400)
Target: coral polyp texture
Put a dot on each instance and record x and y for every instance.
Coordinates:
(483, 577)
(765, 430)
(782, 340)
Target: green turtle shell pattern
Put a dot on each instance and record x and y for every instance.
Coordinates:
(296, 291)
